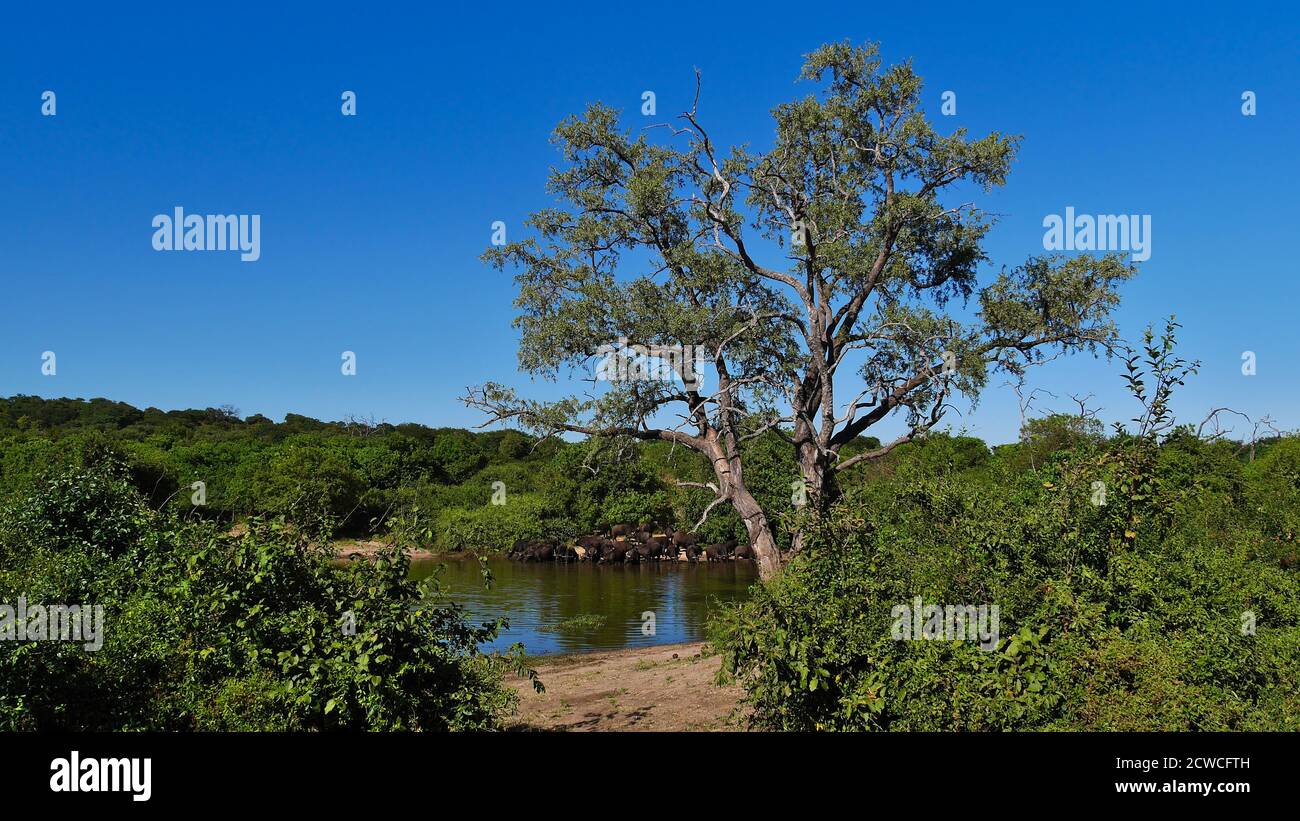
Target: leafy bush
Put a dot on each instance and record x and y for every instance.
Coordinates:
(493, 528)
(1274, 492)
(207, 632)
(1122, 616)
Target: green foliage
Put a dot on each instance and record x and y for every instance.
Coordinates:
(1041, 439)
(203, 631)
(336, 479)
(486, 529)
(1145, 582)
(1123, 616)
(1274, 494)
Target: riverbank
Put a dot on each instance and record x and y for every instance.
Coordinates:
(348, 549)
(367, 548)
(668, 687)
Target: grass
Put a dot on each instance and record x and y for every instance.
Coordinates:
(578, 624)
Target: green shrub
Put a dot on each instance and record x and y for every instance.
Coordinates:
(1127, 615)
(1274, 492)
(207, 632)
(493, 528)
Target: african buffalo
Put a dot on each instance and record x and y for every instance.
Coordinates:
(681, 538)
(518, 549)
(540, 551)
(662, 548)
(719, 552)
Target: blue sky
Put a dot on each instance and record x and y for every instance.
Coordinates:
(371, 226)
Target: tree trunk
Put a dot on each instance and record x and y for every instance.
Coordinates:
(819, 476)
(730, 472)
(821, 483)
(761, 536)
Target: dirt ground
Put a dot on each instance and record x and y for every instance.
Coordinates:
(347, 549)
(365, 549)
(665, 688)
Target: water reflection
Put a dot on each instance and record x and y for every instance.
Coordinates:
(563, 608)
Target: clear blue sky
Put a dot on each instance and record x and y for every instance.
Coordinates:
(372, 225)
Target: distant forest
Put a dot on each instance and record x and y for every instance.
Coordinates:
(354, 478)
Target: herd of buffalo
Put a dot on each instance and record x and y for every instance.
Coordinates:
(629, 544)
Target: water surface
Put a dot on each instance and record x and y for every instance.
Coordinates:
(556, 607)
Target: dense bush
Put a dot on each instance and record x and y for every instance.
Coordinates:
(486, 528)
(203, 631)
(1274, 493)
(1127, 615)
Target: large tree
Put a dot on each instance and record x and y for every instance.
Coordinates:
(842, 243)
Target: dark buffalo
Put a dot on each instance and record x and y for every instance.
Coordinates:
(518, 549)
(540, 552)
(661, 548)
(681, 538)
(591, 546)
(718, 552)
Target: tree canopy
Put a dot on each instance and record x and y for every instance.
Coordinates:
(840, 244)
